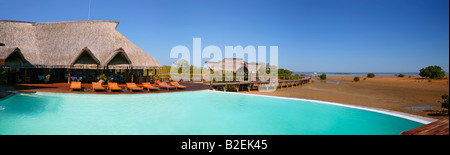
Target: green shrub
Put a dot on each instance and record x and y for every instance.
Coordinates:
(323, 76)
(371, 75)
(401, 75)
(432, 72)
(444, 104)
(102, 77)
(356, 79)
(231, 87)
(3, 77)
(297, 76)
(284, 73)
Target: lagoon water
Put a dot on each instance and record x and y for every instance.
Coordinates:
(187, 113)
(361, 74)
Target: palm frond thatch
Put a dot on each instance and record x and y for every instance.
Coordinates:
(62, 44)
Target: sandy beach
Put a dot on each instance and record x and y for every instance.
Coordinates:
(412, 95)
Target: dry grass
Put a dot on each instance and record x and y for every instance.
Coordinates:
(388, 92)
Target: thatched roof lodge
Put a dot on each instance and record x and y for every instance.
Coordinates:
(72, 44)
(233, 65)
(94, 45)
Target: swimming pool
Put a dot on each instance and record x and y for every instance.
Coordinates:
(188, 113)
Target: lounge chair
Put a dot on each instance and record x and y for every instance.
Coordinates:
(113, 86)
(149, 86)
(164, 85)
(75, 85)
(132, 86)
(176, 84)
(97, 86)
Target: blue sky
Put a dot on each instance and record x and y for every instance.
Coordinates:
(312, 35)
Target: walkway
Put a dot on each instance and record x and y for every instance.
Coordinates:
(64, 88)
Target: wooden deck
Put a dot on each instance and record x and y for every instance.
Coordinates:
(254, 84)
(439, 127)
(64, 88)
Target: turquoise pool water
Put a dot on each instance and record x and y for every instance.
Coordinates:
(187, 113)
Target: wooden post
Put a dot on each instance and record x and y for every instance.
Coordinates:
(68, 79)
(211, 85)
(290, 82)
(87, 73)
(154, 76)
(25, 80)
(132, 75)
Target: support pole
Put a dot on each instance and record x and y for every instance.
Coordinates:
(132, 75)
(154, 76)
(68, 79)
(25, 80)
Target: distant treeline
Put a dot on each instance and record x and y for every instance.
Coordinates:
(282, 73)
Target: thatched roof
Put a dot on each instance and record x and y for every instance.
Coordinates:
(119, 59)
(13, 57)
(74, 44)
(6, 52)
(85, 60)
(233, 65)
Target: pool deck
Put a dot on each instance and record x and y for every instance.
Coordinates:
(439, 127)
(64, 88)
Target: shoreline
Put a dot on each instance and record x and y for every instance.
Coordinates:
(416, 118)
(413, 95)
(360, 74)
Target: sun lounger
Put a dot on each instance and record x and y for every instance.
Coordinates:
(97, 86)
(132, 86)
(149, 86)
(113, 86)
(75, 85)
(164, 85)
(176, 84)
